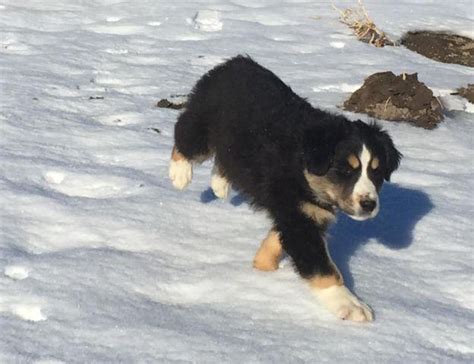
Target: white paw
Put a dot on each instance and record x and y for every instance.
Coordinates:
(181, 173)
(342, 303)
(220, 186)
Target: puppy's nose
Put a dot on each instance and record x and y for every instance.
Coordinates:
(368, 205)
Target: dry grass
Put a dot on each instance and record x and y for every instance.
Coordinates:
(364, 28)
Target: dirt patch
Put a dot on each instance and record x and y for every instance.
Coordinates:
(466, 92)
(442, 47)
(165, 103)
(399, 98)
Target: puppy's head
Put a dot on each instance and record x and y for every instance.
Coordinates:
(346, 164)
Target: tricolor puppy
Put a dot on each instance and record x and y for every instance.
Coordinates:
(298, 163)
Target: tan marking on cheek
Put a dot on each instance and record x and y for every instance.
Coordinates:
(176, 156)
(322, 188)
(322, 282)
(319, 215)
(375, 163)
(353, 161)
(269, 254)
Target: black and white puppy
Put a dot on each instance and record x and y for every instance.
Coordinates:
(298, 163)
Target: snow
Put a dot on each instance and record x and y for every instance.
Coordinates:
(16, 272)
(104, 261)
(207, 20)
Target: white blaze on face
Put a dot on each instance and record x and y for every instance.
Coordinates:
(364, 187)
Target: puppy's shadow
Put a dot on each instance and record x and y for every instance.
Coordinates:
(401, 209)
(208, 196)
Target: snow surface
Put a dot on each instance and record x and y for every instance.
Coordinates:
(103, 261)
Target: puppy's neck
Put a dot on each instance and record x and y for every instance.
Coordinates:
(321, 216)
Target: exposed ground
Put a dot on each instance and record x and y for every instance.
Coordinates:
(401, 98)
(466, 92)
(441, 46)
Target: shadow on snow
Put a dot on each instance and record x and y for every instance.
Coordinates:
(401, 209)
(208, 196)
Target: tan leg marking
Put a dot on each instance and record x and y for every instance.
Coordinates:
(341, 302)
(269, 254)
(321, 282)
(321, 216)
(176, 156)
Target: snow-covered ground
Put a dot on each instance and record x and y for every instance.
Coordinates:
(101, 260)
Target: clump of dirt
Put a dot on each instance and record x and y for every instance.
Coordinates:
(466, 92)
(171, 105)
(399, 98)
(441, 46)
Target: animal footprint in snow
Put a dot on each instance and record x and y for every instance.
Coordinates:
(28, 312)
(16, 272)
(91, 186)
(207, 20)
(9, 43)
(113, 19)
(130, 118)
(25, 311)
(19, 306)
(337, 44)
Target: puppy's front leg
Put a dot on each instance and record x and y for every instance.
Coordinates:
(303, 241)
(339, 300)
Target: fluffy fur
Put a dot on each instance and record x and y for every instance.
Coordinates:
(295, 161)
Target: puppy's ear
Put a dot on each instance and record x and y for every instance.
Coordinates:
(392, 155)
(319, 146)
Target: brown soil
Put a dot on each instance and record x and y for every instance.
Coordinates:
(400, 98)
(466, 92)
(442, 47)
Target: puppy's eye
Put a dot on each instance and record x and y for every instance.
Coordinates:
(346, 171)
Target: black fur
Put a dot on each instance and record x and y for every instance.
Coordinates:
(264, 137)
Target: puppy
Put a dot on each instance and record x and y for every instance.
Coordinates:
(298, 163)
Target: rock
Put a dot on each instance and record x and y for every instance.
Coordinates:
(164, 103)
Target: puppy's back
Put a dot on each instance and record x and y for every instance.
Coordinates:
(236, 86)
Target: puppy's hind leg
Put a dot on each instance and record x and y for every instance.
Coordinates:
(219, 184)
(180, 170)
(191, 145)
